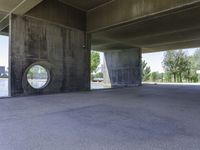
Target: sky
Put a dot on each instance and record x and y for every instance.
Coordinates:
(4, 51)
(154, 60)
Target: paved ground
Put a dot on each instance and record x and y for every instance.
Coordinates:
(152, 117)
(3, 87)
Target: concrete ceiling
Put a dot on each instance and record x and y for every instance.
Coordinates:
(6, 6)
(179, 29)
(19, 7)
(162, 31)
(85, 4)
(9, 5)
(2, 14)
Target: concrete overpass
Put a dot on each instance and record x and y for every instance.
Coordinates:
(59, 34)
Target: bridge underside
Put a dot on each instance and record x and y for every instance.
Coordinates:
(166, 31)
(59, 34)
(150, 25)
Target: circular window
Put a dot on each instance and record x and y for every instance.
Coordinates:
(38, 77)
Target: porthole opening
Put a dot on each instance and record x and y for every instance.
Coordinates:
(38, 77)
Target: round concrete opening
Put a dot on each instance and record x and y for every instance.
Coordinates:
(38, 77)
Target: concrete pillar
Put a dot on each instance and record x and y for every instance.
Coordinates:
(64, 51)
(122, 67)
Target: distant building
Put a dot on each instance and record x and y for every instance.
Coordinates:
(2, 70)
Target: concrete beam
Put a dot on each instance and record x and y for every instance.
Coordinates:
(9, 5)
(25, 6)
(120, 12)
(4, 33)
(173, 46)
(59, 13)
(19, 7)
(4, 23)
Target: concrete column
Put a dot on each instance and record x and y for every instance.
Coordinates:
(122, 67)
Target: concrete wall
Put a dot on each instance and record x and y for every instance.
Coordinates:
(122, 67)
(63, 50)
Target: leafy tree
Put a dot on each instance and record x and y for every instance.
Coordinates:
(196, 59)
(146, 71)
(195, 65)
(183, 63)
(161, 77)
(95, 61)
(169, 63)
(176, 63)
(155, 76)
(30, 74)
(167, 77)
(98, 75)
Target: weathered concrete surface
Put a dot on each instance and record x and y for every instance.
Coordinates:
(62, 50)
(122, 67)
(119, 12)
(19, 7)
(152, 25)
(59, 13)
(142, 118)
(173, 29)
(86, 5)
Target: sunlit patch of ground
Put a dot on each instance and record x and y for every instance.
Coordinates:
(3, 87)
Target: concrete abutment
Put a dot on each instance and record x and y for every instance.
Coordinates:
(63, 48)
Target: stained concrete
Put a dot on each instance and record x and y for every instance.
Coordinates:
(152, 25)
(118, 12)
(144, 118)
(62, 50)
(174, 29)
(122, 67)
(59, 13)
(86, 5)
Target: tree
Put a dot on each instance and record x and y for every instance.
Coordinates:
(176, 63)
(183, 64)
(146, 71)
(195, 65)
(155, 76)
(169, 63)
(98, 75)
(95, 61)
(196, 59)
(167, 77)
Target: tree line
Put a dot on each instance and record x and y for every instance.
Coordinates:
(178, 66)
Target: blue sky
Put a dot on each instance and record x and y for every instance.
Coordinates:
(4, 51)
(154, 60)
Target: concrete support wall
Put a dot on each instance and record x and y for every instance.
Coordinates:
(63, 50)
(122, 67)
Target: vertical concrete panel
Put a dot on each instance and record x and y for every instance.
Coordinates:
(60, 49)
(122, 67)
